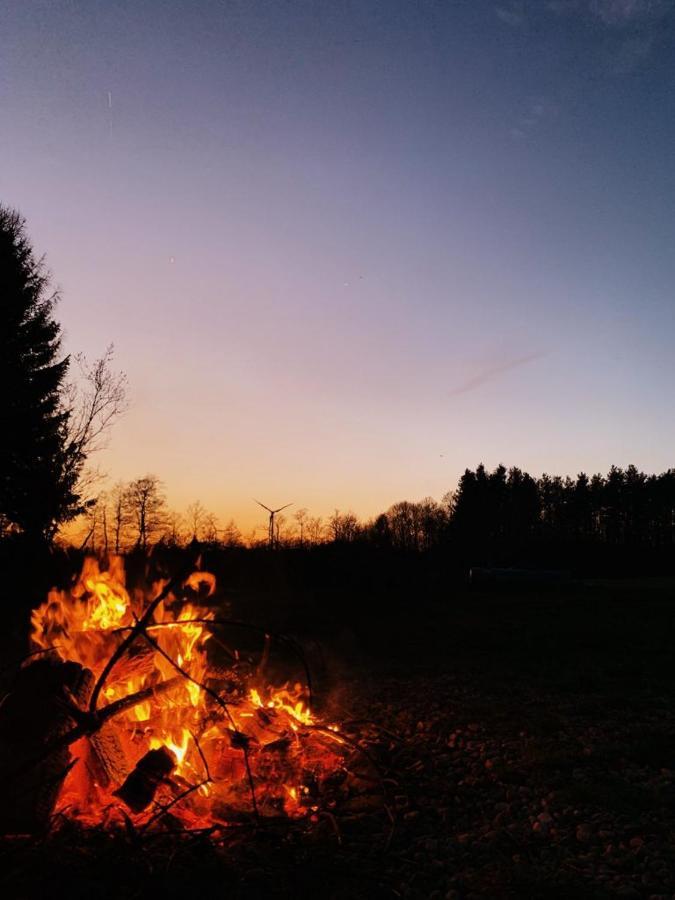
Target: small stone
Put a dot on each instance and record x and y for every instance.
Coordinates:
(584, 833)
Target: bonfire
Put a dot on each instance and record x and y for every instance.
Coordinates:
(133, 709)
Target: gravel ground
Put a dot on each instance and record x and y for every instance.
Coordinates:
(525, 747)
(502, 793)
(516, 793)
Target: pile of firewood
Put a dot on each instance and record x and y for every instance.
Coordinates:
(43, 715)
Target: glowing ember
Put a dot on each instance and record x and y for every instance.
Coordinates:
(210, 742)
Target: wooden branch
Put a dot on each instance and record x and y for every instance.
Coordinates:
(243, 746)
(92, 723)
(163, 810)
(234, 623)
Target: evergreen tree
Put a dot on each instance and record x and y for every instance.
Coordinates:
(38, 473)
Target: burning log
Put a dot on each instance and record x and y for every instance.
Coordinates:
(40, 709)
(138, 790)
(137, 681)
(138, 663)
(107, 761)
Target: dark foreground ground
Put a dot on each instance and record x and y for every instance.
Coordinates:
(527, 744)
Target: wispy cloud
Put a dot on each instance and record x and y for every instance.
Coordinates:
(494, 371)
(629, 12)
(512, 14)
(628, 32)
(531, 117)
(615, 13)
(633, 30)
(630, 53)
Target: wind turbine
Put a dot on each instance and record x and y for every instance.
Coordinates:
(272, 513)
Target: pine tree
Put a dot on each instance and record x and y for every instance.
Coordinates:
(37, 473)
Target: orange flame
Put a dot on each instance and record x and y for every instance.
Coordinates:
(223, 731)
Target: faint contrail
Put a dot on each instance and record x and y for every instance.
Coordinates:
(493, 372)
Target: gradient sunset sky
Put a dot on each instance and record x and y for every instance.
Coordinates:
(346, 249)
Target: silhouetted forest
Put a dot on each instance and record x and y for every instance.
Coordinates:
(616, 523)
(622, 521)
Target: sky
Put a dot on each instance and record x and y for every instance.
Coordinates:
(346, 248)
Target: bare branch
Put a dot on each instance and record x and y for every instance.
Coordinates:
(95, 402)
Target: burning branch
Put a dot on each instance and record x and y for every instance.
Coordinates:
(166, 734)
(243, 744)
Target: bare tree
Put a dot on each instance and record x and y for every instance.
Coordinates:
(119, 514)
(196, 517)
(231, 535)
(210, 528)
(97, 398)
(343, 526)
(92, 516)
(103, 501)
(300, 517)
(349, 526)
(252, 540)
(92, 402)
(315, 530)
(175, 528)
(147, 506)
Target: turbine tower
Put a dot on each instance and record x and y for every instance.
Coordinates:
(272, 513)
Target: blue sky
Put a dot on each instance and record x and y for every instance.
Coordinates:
(345, 249)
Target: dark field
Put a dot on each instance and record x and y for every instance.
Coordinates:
(526, 744)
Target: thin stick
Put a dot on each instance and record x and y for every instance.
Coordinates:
(201, 753)
(118, 706)
(164, 809)
(234, 623)
(213, 694)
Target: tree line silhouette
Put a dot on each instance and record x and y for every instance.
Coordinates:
(53, 423)
(495, 518)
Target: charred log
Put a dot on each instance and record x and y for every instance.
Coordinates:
(138, 790)
(41, 707)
